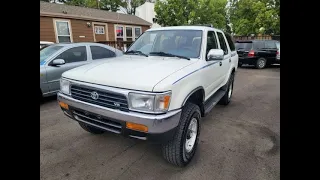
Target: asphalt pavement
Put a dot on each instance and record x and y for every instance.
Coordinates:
(238, 142)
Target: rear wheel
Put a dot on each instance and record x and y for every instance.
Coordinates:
(90, 129)
(181, 149)
(261, 63)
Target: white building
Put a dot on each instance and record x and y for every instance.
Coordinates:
(146, 12)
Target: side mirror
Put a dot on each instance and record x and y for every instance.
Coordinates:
(215, 55)
(57, 62)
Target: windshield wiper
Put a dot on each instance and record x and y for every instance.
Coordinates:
(168, 54)
(136, 52)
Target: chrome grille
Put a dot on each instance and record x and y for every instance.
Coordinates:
(105, 98)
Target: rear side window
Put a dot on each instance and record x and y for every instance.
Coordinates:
(230, 42)
(259, 45)
(223, 44)
(244, 46)
(100, 52)
(271, 45)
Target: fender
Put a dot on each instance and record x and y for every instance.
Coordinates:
(193, 91)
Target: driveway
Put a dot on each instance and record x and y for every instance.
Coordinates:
(237, 142)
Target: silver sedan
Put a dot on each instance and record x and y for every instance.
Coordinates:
(58, 58)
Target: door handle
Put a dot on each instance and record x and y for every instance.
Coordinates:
(220, 63)
(230, 60)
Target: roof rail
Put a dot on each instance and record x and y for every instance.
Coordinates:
(207, 25)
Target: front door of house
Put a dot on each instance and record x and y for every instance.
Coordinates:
(100, 32)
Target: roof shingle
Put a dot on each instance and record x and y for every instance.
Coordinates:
(52, 9)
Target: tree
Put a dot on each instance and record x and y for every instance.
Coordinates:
(249, 16)
(172, 13)
(131, 5)
(111, 5)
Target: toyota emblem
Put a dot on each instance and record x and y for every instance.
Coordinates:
(94, 95)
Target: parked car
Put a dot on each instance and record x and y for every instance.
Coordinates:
(45, 43)
(58, 58)
(260, 53)
(168, 79)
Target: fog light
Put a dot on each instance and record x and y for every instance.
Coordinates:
(137, 127)
(64, 105)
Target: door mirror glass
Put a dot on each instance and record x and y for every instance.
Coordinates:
(57, 62)
(215, 55)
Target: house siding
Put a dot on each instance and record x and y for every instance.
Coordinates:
(47, 29)
(78, 28)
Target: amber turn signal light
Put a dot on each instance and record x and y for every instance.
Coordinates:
(137, 127)
(64, 105)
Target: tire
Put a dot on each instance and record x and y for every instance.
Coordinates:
(261, 63)
(225, 100)
(90, 129)
(175, 151)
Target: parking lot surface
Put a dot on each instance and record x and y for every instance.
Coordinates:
(237, 142)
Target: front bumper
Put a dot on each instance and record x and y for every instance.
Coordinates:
(161, 128)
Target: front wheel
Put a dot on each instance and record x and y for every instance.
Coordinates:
(225, 100)
(181, 149)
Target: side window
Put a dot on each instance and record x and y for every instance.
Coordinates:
(211, 41)
(223, 44)
(230, 42)
(75, 54)
(100, 52)
(271, 45)
(258, 45)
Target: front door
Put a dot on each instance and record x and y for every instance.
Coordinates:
(100, 32)
(73, 57)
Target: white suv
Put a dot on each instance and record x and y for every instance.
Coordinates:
(158, 91)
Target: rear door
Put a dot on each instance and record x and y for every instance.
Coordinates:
(234, 55)
(74, 57)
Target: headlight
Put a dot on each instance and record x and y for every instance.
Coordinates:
(156, 103)
(64, 86)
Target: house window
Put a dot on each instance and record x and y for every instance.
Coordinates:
(129, 33)
(119, 33)
(63, 31)
(99, 29)
(137, 32)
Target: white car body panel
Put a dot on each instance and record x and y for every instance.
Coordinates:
(160, 74)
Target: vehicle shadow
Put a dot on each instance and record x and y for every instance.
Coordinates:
(48, 99)
(273, 66)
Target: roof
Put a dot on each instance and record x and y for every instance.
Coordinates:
(76, 12)
(202, 28)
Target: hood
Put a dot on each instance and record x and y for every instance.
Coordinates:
(129, 72)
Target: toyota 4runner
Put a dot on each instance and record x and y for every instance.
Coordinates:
(158, 91)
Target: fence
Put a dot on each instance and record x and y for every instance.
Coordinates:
(263, 37)
(121, 45)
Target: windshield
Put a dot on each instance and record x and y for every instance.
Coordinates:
(243, 46)
(186, 43)
(48, 51)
